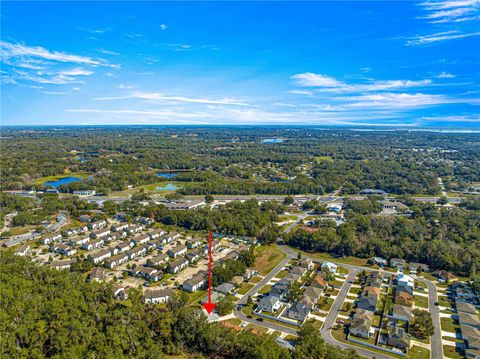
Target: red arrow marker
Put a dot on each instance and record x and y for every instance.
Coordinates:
(209, 305)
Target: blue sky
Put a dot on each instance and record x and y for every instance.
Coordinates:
(327, 63)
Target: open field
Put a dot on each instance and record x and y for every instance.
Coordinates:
(268, 258)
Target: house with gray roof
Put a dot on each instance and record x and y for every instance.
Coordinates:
(269, 303)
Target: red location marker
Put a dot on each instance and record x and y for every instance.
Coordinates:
(209, 305)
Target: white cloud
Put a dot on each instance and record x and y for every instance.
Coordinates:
(329, 84)
(20, 51)
(445, 11)
(310, 79)
(445, 75)
(163, 27)
(439, 36)
(153, 96)
(474, 118)
(156, 113)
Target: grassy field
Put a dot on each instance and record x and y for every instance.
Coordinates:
(268, 258)
(245, 288)
(195, 297)
(265, 289)
(234, 321)
(418, 353)
(325, 304)
(281, 274)
(421, 301)
(449, 325)
(452, 352)
(255, 280)
(326, 256)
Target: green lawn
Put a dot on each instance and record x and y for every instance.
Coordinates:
(195, 296)
(444, 302)
(421, 301)
(265, 289)
(325, 303)
(449, 325)
(234, 321)
(267, 258)
(254, 280)
(451, 339)
(417, 352)
(281, 274)
(245, 288)
(453, 352)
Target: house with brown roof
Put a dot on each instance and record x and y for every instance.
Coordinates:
(404, 298)
(361, 323)
(319, 282)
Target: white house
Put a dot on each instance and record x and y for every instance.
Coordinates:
(100, 256)
(63, 249)
(195, 283)
(135, 228)
(136, 252)
(178, 265)
(51, 239)
(97, 224)
(22, 250)
(141, 239)
(124, 246)
(60, 265)
(332, 268)
(95, 244)
(155, 296)
(406, 280)
(117, 260)
(269, 303)
(156, 233)
(101, 233)
(177, 251)
(78, 241)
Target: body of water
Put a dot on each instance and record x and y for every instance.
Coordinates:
(166, 174)
(61, 181)
(168, 187)
(272, 140)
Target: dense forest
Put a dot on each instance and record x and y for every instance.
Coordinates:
(442, 238)
(48, 313)
(235, 161)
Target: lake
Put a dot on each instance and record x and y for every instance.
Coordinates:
(61, 181)
(168, 187)
(272, 140)
(166, 174)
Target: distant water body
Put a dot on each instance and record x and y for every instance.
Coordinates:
(61, 181)
(168, 187)
(168, 175)
(272, 140)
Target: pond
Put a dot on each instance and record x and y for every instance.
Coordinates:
(166, 174)
(61, 181)
(272, 140)
(168, 187)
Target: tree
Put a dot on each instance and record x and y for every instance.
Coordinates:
(442, 201)
(224, 306)
(422, 325)
(249, 300)
(269, 234)
(288, 200)
(209, 198)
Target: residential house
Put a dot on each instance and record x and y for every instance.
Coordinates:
(401, 312)
(100, 256)
(195, 283)
(279, 290)
(269, 303)
(301, 271)
(146, 221)
(141, 239)
(136, 252)
(398, 263)
(332, 268)
(134, 229)
(74, 231)
(97, 224)
(178, 251)
(443, 276)
(50, 239)
(398, 337)
(417, 267)
(290, 277)
(463, 292)
(361, 323)
(249, 273)
(116, 260)
(306, 263)
(158, 260)
(307, 301)
(156, 233)
(403, 298)
(194, 256)
(155, 296)
(101, 233)
(374, 279)
(62, 264)
(22, 250)
(319, 282)
(225, 288)
(124, 246)
(469, 319)
(466, 307)
(178, 265)
(233, 255)
(94, 244)
(146, 273)
(471, 336)
(298, 311)
(78, 241)
(96, 275)
(237, 280)
(313, 293)
(85, 218)
(379, 261)
(405, 280)
(368, 302)
(214, 297)
(64, 250)
(119, 292)
(194, 243)
(122, 227)
(170, 237)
